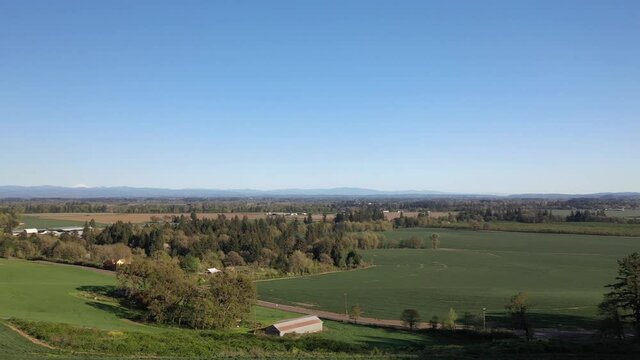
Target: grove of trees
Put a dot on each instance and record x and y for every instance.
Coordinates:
(167, 294)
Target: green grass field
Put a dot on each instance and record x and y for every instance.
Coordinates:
(81, 327)
(629, 213)
(39, 223)
(563, 274)
(53, 293)
(49, 292)
(577, 228)
(14, 346)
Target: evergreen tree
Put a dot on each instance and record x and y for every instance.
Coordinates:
(625, 291)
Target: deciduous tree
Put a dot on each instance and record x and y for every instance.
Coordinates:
(518, 309)
(435, 240)
(410, 318)
(452, 317)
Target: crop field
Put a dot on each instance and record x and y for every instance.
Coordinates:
(633, 213)
(34, 221)
(586, 228)
(564, 276)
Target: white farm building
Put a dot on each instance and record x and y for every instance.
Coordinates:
(302, 325)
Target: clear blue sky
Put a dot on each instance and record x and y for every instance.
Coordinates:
(465, 96)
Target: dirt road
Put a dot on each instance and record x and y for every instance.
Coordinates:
(396, 324)
(541, 333)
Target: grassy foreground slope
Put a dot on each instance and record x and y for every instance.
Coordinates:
(47, 301)
(50, 292)
(14, 346)
(563, 274)
(82, 339)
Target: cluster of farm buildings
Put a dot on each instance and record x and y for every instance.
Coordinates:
(50, 231)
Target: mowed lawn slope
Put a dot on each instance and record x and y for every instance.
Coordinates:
(563, 274)
(47, 292)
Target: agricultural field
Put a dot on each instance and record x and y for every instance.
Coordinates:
(586, 228)
(35, 221)
(629, 213)
(564, 276)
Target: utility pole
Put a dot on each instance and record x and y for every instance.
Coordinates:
(484, 318)
(255, 320)
(346, 313)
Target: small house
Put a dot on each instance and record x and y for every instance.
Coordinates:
(213, 270)
(302, 325)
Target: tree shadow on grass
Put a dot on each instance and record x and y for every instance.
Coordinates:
(546, 320)
(116, 310)
(384, 338)
(429, 338)
(103, 290)
(110, 299)
(392, 343)
(562, 321)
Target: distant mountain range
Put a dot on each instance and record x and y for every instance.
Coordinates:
(79, 192)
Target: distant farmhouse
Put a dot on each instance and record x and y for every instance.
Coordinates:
(29, 231)
(302, 325)
(50, 231)
(213, 270)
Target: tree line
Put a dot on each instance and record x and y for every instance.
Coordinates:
(275, 243)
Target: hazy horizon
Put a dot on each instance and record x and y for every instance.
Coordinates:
(353, 190)
(464, 97)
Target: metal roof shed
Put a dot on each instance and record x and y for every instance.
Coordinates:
(302, 325)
